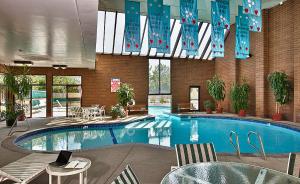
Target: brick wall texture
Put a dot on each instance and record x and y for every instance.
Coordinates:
(276, 48)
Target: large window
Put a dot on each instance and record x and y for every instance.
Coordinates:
(35, 103)
(159, 76)
(2, 95)
(66, 94)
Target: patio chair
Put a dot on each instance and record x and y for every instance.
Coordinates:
(194, 153)
(126, 177)
(293, 167)
(27, 168)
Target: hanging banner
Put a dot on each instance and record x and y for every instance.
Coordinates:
(188, 12)
(255, 23)
(190, 39)
(155, 25)
(252, 7)
(242, 43)
(217, 41)
(132, 26)
(165, 46)
(220, 14)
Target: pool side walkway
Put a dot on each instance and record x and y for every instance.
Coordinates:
(151, 163)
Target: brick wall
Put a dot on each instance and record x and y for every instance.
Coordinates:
(186, 73)
(275, 49)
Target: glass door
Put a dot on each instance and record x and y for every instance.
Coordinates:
(195, 98)
(39, 101)
(74, 97)
(59, 101)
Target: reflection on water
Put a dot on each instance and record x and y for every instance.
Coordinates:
(168, 132)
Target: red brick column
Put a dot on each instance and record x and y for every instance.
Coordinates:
(296, 11)
(261, 65)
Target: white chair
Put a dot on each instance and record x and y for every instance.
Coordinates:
(27, 168)
(126, 177)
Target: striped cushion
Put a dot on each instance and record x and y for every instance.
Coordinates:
(294, 165)
(193, 153)
(126, 177)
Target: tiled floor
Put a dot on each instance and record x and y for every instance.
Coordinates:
(150, 163)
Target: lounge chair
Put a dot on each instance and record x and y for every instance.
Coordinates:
(126, 177)
(27, 168)
(194, 153)
(293, 167)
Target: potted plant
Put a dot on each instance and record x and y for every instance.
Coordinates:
(216, 89)
(239, 95)
(18, 84)
(281, 87)
(125, 95)
(209, 106)
(10, 117)
(117, 111)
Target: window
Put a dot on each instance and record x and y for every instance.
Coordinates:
(2, 95)
(159, 76)
(38, 96)
(66, 94)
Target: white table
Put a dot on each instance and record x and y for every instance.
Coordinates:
(61, 171)
(227, 173)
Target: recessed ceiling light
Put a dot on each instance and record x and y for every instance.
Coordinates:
(281, 3)
(22, 62)
(56, 67)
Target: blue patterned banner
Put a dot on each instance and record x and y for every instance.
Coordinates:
(190, 39)
(132, 26)
(188, 12)
(155, 7)
(155, 25)
(255, 23)
(242, 43)
(217, 41)
(165, 46)
(220, 14)
(252, 7)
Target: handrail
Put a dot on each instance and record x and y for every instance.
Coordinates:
(261, 150)
(14, 125)
(237, 146)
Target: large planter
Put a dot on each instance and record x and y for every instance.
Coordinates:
(208, 111)
(10, 122)
(219, 110)
(277, 117)
(242, 113)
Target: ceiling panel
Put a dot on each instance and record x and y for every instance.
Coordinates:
(49, 32)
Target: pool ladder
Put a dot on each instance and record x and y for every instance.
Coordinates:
(236, 146)
(261, 150)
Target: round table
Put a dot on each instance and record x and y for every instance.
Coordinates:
(227, 173)
(61, 171)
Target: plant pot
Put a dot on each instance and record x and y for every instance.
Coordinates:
(114, 117)
(219, 110)
(208, 111)
(10, 122)
(242, 113)
(277, 117)
(21, 117)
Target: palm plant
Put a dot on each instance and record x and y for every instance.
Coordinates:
(216, 89)
(18, 84)
(125, 95)
(239, 95)
(281, 87)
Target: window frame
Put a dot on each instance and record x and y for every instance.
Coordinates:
(159, 77)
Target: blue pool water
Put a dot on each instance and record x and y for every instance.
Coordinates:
(164, 132)
(158, 110)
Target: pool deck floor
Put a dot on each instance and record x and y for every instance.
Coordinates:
(150, 163)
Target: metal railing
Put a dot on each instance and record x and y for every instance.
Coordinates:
(11, 132)
(261, 150)
(237, 146)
